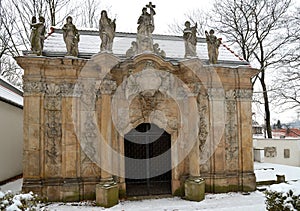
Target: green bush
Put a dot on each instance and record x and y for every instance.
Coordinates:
(277, 201)
(16, 202)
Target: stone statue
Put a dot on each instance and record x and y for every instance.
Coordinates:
(190, 40)
(132, 50)
(107, 29)
(213, 44)
(71, 37)
(33, 32)
(37, 35)
(145, 29)
(158, 51)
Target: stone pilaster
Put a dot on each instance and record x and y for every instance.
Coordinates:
(244, 99)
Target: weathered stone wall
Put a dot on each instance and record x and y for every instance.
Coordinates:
(56, 162)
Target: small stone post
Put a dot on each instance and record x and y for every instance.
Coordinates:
(194, 189)
(107, 195)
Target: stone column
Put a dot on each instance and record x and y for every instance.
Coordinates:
(107, 88)
(194, 165)
(244, 98)
(217, 146)
(107, 192)
(32, 135)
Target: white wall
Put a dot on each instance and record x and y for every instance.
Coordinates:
(275, 154)
(11, 140)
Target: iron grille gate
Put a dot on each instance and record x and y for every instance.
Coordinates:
(143, 174)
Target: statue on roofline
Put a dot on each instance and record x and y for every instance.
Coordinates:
(145, 29)
(158, 51)
(190, 40)
(144, 41)
(37, 35)
(132, 51)
(107, 29)
(213, 44)
(71, 37)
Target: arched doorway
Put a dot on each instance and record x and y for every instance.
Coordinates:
(148, 172)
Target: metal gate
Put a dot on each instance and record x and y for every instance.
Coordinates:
(145, 176)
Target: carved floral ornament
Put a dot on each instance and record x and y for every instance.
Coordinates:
(108, 86)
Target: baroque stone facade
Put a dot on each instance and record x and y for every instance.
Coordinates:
(77, 112)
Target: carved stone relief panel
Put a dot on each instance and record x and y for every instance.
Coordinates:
(32, 87)
(203, 109)
(53, 129)
(244, 94)
(231, 140)
(89, 152)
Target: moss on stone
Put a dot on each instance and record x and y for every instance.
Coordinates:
(70, 197)
(122, 193)
(179, 192)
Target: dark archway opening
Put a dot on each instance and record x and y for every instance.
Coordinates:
(149, 172)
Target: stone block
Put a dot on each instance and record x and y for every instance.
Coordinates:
(107, 195)
(194, 189)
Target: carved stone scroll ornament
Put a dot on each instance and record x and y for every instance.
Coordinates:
(53, 128)
(108, 86)
(231, 141)
(89, 145)
(32, 87)
(202, 103)
(244, 94)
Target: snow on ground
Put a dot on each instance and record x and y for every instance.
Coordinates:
(254, 201)
(268, 171)
(212, 202)
(14, 186)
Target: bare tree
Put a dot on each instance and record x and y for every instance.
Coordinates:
(58, 10)
(195, 16)
(15, 19)
(287, 88)
(91, 9)
(260, 29)
(11, 71)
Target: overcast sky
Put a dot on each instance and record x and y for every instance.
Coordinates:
(167, 12)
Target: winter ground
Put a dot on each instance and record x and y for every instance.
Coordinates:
(222, 202)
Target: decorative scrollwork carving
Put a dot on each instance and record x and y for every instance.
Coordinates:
(53, 127)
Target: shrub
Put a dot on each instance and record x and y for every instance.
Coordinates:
(18, 202)
(278, 201)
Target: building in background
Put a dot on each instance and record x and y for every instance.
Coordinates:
(11, 131)
(277, 151)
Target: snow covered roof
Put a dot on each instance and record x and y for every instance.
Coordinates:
(10, 94)
(89, 44)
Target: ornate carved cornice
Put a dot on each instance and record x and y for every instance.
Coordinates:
(244, 94)
(108, 86)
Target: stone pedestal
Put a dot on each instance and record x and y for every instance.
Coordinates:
(107, 195)
(194, 189)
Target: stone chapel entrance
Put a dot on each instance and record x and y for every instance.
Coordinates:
(149, 171)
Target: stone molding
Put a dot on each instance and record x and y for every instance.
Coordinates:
(244, 94)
